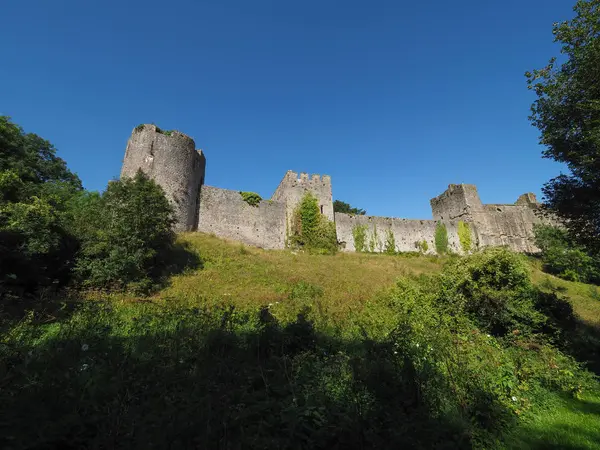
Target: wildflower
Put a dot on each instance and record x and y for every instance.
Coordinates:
(84, 367)
(417, 345)
(514, 399)
(395, 352)
(85, 348)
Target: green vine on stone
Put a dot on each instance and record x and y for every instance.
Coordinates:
(441, 238)
(359, 233)
(390, 243)
(464, 236)
(252, 198)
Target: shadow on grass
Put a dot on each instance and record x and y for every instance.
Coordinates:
(186, 379)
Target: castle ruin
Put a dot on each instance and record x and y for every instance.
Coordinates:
(172, 160)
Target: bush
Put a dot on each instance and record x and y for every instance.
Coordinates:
(311, 230)
(441, 238)
(563, 258)
(252, 198)
(128, 240)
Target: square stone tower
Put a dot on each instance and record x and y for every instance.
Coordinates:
(292, 189)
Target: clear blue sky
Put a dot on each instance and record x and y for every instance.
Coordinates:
(394, 99)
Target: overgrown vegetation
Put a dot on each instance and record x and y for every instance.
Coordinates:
(373, 239)
(422, 246)
(464, 236)
(390, 243)
(563, 257)
(311, 230)
(359, 234)
(441, 238)
(252, 198)
(417, 366)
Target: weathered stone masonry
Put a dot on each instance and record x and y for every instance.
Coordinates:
(174, 163)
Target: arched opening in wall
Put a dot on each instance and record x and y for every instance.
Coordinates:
(321, 209)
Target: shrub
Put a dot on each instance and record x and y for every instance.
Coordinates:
(464, 236)
(359, 233)
(390, 243)
(127, 241)
(441, 238)
(311, 230)
(563, 258)
(494, 289)
(422, 246)
(252, 198)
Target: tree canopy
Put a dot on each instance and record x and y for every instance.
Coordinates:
(567, 113)
(343, 207)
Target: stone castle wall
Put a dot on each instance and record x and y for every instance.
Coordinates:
(226, 214)
(174, 163)
(407, 233)
(495, 225)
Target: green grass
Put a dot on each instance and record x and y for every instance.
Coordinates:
(278, 349)
(565, 423)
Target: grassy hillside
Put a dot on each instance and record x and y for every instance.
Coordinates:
(271, 349)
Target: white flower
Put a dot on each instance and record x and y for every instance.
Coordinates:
(488, 335)
(395, 352)
(514, 399)
(417, 345)
(84, 367)
(85, 347)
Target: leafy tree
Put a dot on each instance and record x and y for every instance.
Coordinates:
(563, 257)
(31, 157)
(567, 113)
(35, 188)
(126, 242)
(343, 207)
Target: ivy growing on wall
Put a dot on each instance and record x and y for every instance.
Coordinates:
(359, 233)
(422, 246)
(464, 236)
(373, 239)
(441, 238)
(252, 198)
(390, 243)
(312, 230)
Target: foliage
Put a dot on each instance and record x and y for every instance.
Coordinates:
(252, 198)
(140, 127)
(130, 236)
(373, 239)
(422, 246)
(464, 236)
(390, 243)
(494, 289)
(32, 158)
(405, 370)
(563, 257)
(567, 113)
(343, 207)
(441, 238)
(359, 234)
(36, 250)
(311, 230)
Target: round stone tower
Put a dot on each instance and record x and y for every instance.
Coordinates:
(172, 161)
